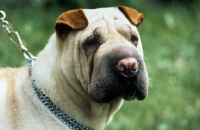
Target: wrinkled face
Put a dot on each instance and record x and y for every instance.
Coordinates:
(109, 59)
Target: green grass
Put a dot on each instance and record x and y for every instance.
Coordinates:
(171, 42)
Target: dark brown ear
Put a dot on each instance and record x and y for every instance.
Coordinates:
(135, 17)
(73, 19)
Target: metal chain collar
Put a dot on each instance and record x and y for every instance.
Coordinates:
(52, 107)
(44, 99)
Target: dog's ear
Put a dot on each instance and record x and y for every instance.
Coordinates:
(134, 17)
(73, 19)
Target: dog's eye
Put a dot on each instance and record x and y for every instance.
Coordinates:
(91, 45)
(91, 42)
(134, 40)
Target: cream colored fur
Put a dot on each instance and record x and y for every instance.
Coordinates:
(60, 72)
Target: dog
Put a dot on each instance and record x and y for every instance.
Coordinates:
(92, 62)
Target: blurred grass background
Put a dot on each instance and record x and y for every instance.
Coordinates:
(171, 40)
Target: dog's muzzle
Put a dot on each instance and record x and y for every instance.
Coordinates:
(122, 74)
(129, 72)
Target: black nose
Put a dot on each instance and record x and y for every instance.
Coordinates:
(127, 67)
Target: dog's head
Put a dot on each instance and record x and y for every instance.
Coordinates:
(107, 51)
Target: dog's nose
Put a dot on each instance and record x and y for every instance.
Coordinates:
(127, 67)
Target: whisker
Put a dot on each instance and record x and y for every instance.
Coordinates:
(152, 85)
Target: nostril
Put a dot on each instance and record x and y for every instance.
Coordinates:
(135, 66)
(120, 66)
(127, 67)
(133, 73)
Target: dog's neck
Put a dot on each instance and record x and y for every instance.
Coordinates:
(67, 93)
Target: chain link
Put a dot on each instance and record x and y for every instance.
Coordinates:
(18, 43)
(71, 123)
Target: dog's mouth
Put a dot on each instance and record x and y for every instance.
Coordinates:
(132, 87)
(134, 91)
(112, 83)
(128, 89)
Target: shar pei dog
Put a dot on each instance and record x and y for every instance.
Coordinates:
(92, 62)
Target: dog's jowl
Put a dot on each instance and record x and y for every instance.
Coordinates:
(92, 62)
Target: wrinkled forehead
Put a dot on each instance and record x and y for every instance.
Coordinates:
(109, 15)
